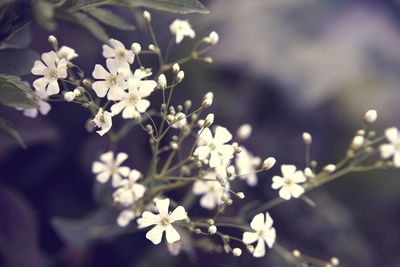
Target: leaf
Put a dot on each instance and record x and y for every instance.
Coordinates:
(13, 17)
(43, 12)
(17, 61)
(7, 129)
(107, 17)
(175, 6)
(87, 22)
(15, 93)
(19, 39)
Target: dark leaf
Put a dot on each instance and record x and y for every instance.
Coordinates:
(107, 17)
(13, 17)
(43, 12)
(17, 61)
(15, 93)
(7, 129)
(175, 6)
(19, 39)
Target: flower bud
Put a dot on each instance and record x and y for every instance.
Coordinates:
(147, 15)
(357, 143)
(212, 229)
(208, 60)
(152, 48)
(308, 173)
(370, 116)
(188, 104)
(136, 48)
(296, 253)
(180, 76)
(244, 132)
(69, 96)
(214, 38)
(250, 248)
(230, 171)
(77, 92)
(162, 81)
(240, 195)
(176, 68)
(268, 163)
(335, 261)
(53, 41)
(209, 120)
(307, 139)
(237, 252)
(330, 168)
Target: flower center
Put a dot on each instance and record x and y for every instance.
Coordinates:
(261, 233)
(112, 79)
(212, 146)
(120, 54)
(164, 221)
(288, 182)
(53, 73)
(114, 169)
(133, 99)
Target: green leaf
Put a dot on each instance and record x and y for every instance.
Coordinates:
(18, 39)
(107, 17)
(17, 61)
(175, 6)
(15, 93)
(43, 12)
(7, 129)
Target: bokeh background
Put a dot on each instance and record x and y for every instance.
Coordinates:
(283, 66)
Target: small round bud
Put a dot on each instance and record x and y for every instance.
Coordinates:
(335, 261)
(197, 231)
(244, 132)
(268, 163)
(77, 92)
(307, 139)
(214, 38)
(250, 248)
(308, 173)
(152, 48)
(180, 76)
(230, 171)
(210, 221)
(162, 81)
(212, 229)
(208, 60)
(229, 202)
(69, 96)
(188, 104)
(209, 120)
(370, 116)
(296, 253)
(136, 48)
(330, 168)
(174, 145)
(240, 195)
(147, 15)
(237, 252)
(176, 68)
(53, 41)
(357, 143)
(87, 82)
(207, 100)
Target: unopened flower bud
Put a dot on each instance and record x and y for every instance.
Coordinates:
(357, 143)
(208, 60)
(240, 195)
(188, 104)
(230, 171)
(244, 132)
(296, 253)
(370, 116)
(53, 41)
(136, 48)
(307, 139)
(180, 76)
(152, 48)
(210, 221)
(147, 15)
(237, 252)
(162, 81)
(176, 68)
(207, 100)
(212, 229)
(308, 173)
(77, 92)
(69, 96)
(250, 248)
(268, 163)
(330, 168)
(209, 120)
(335, 261)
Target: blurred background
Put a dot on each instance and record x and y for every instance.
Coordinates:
(284, 67)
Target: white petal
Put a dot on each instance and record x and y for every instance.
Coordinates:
(100, 88)
(134, 175)
(112, 65)
(268, 220)
(40, 84)
(392, 134)
(285, 193)
(121, 157)
(249, 237)
(118, 107)
(208, 201)
(396, 159)
(258, 222)
(387, 150)
(103, 177)
(202, 152)
(124, 171)
(130, 113)
(98, 167)
(206, 135)
(142, 105)
(298, 177)
(162, 206)
(49, 59)
(200, 187)
(222, 135)
(148, 219)
(178, 214)
(146, 88)
(288, 170)
(171, 234)
(296, 190)
(277, 182)
(270, 237)
(107, 157)
(259, 250)
(155, 234)
(100, 72)
(53, 88)
(215, 159)
(138, 190)
(116, 180)
(116, 93)
(44, 107)
(38, 68)
(108, 51)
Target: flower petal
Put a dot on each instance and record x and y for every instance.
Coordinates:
(155, 234)
(171, 234)
(178, 214)
(259, 250)
(249, 237)
(258, 222)
(222, 135)
(285, 193)
(162, 206)
(288, 170)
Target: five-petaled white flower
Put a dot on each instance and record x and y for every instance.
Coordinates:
(103, 120)
(289, 183)
(52, 70)
(111, 81)
(162, 221)
(212, 190)
(66, 53)
(246, 165)
(214, 148)
(393, 147)
(110, 167)
(129, 190)
(43, 107)
(132, 102)
(125, 217)
(118, 52)
(263, 233)
(181, 28)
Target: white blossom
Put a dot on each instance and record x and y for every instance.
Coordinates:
(214, 147)
(263, 233)
(247, 165)
(289, 183)
(129, 191)
(108, 166)
(111, 82)
(66, 53)
(212, 191)
(162, 221)
(132, 103)
(118, 52)
(181, 28)
(392, 149)
(52, 70)
(43, 107)
(103, 120)
(125, 217)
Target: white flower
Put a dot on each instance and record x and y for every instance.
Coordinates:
(393, 147)
(214, 148)
(111, 81)
(125, 217)
(43, 107)
(162, 221)
(263, 233)
(66, 53)
(118, 52)
(103, 120)
(213, 193)
(52, 70)
(110, 167)
(128, 191)
(288, 184)
(247, 165)
(132, 102)
(181, 28)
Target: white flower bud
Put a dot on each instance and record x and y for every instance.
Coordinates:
(250, 248)
(152, 48)
(358, 142)
(207, 100)
(335, 261)
(370, 116)
(244, 132)
(330, 168)
(237, 252)
(296, 253)
(176, 68)
(208, 60)
(53, 41)
(69, 96)
(212, 229)
(209, 120)
(230, 171)
(307, 139)
(268, 163)
(308, 173)
(136, 48)
(162, 81)
(180, 76)
(147, 15)
(213, 38)
(240, 195)
(77, 92)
